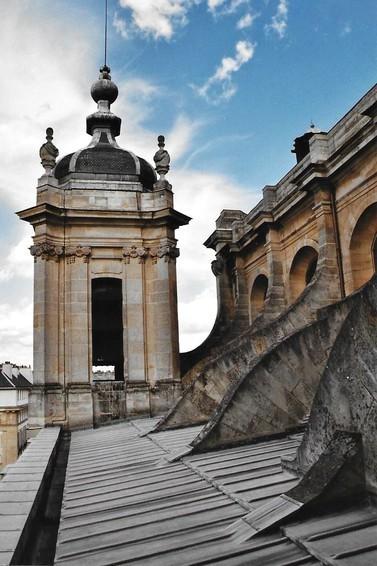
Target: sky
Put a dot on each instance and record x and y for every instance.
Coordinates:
(230, 83)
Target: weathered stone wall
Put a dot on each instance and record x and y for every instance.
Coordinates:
(207, 385)
(346, 399)
(109, 402)
(279, 391)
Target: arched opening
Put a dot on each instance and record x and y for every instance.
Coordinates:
(258, 295)
(107, 329)
(363, 247)
(302, 271)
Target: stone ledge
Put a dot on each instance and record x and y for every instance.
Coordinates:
(21, 492)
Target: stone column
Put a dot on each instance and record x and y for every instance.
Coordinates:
(162, 325)
(137, 389)
(77, 340)
(46, 399)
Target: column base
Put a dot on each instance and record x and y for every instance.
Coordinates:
(163, 395)
(46, 406)
(137, 399)
(109, 402)
(79, 406)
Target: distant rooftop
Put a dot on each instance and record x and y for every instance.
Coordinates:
(13, 376)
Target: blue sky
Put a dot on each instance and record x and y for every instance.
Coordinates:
(230, 83)
(318, 65)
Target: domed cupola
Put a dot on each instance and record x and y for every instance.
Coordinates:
(103, 157)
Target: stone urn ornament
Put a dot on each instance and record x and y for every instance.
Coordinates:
(162, 160)
(48, 152)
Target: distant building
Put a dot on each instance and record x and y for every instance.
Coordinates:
(15, 384)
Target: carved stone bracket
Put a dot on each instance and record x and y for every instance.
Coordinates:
(169, 253)
(135, 252)
(217, 266)
(74, 252)
(47, 250)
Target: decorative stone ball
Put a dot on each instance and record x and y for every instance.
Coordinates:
(104, 89)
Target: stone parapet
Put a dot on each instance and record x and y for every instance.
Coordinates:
(21, 494)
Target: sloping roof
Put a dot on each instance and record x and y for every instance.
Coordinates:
(19, 382)
(125, 503)
(5, 382)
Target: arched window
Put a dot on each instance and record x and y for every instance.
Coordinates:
(107, 329)
(258, 295)
(302, 271)
(363, 247)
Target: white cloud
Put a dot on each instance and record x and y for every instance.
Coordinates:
(41, 89)
(201, 195)
(246, 21)
(346, 30)
(213, 5)
(135, 104)
(219, 87)
(279, 22)
(49, 72)
(120, 26)
(49, 89)
(16, 337)
(18, 264)
(182, 136)
(158, 18)
(225, 7)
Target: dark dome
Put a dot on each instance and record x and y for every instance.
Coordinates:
(103, 156)
(104, 159)
(62, 166)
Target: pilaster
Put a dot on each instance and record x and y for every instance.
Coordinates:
(327, 266)
(275, 299)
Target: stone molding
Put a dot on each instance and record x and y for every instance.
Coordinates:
(47, 250)
(168, 252)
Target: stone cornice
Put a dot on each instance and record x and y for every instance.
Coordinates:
(42, 212)
(219, 236)
(46, 212)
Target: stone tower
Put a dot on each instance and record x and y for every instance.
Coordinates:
(105, 301)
